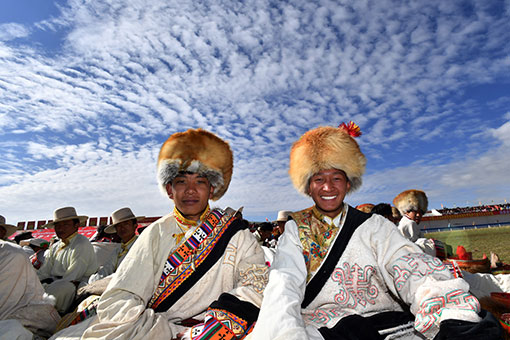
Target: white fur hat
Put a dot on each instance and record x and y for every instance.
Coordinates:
(196, 151)
(119, 216)
(411, 200)
(327, 148)
(9, 228)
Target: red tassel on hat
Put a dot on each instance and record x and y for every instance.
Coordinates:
(352, 129)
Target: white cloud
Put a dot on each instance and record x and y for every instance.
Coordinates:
(10, 31)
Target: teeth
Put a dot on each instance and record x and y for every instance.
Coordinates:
(328, 197)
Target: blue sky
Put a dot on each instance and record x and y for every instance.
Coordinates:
(89, 90)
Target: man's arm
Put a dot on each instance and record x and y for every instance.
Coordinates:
(280, 313)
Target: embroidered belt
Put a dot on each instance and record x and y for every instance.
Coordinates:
(180, 265)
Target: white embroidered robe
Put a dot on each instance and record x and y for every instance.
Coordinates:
(122, 310)
(377, 266)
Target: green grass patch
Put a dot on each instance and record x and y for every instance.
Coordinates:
(478, 241)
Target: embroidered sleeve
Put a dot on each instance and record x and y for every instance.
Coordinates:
(434, 295)
(227, 318)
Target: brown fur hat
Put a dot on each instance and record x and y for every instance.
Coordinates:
(411, 200)
(196, 151)
(365, 207)
(325, 148)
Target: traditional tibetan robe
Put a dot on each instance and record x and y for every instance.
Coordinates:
(66, 261)
(163, 285)
(378, 272)
(114, 260)
(24, 308)
(412, 231)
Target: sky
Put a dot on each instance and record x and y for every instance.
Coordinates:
(90, 90)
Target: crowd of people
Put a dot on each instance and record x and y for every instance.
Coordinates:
(330, 271)
(473, 209)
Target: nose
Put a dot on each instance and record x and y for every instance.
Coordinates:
(327, 185)
(190, 188)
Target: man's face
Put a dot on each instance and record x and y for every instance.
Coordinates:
(415, 216)
(2, 233)
(191, 194)
(64, 229)
(126, 230)
(281, 226)
(328, 189)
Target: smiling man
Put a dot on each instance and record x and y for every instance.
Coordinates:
(342, 274)
(196, 270)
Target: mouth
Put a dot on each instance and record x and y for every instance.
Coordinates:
(328, 198)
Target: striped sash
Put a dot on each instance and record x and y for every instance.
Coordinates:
(181, 264)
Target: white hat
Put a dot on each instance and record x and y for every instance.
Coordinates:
(9, 228)
(283, 215)
(119, 216)
(65, 214)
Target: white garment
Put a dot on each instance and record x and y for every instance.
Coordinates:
(377, 265)
(22, 296)
(482, 285)
(122, 311)
(74, 262)
(112, 263)
(412, 231)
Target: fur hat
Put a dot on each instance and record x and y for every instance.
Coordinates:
(411, 200)
(119, 216)
(197, 151)
(327, 148)
(9, 228)
(365, 207)
(64, 214)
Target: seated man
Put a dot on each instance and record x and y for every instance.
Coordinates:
(6, 230)
(124, 223)
(413, 204)
(340, 273)
(69, 260)
(194, 269)
(24, 308)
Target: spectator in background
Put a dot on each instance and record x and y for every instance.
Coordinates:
(26, 235)
(281, 219)
(412, 204)
(264, 233)
(39, 246)
(6, 230)
(397, 216)
(124, 225)
(69, 260)
(365, 207)
(383, 209)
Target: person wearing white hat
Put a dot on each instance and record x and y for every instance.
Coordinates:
(339, 273)
(281, 219)
(68, 261)
(6, 230)
(124, 223)
(195, 266)
(25, 310)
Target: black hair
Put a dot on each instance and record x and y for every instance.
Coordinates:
(383, 209)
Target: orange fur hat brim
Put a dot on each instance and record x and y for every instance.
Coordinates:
(325, 148)
(196, 151)
(411, 200)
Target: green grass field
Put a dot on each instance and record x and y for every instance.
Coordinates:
(478, 241)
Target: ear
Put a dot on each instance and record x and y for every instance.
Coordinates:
(169, 191)
(348, 186)
(211, 192)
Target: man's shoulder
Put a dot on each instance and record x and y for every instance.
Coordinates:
(301, 215)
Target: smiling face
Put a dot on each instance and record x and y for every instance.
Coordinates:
(191, 193)
(328, 189)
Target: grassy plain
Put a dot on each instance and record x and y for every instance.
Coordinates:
(478, 241)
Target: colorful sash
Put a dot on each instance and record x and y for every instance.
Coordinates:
(185, 266)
